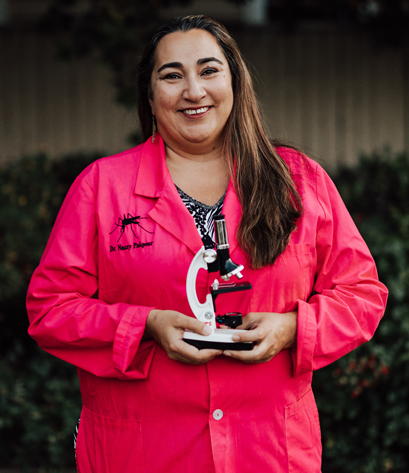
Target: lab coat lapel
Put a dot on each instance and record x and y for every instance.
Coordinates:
(154, 181)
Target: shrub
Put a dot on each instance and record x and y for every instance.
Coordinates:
(39, 407)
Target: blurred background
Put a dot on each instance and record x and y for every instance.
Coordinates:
(333, 78)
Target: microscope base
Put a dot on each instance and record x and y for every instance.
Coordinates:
(219, 340)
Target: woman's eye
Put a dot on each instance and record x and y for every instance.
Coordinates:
(208, 71)
(172, 75)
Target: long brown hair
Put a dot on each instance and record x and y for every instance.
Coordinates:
(270, 202)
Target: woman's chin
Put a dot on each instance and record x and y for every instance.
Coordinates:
(188, 139)
(197, 139)
(200, 137)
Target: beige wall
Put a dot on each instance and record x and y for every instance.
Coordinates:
(52, 106)
(331, 93)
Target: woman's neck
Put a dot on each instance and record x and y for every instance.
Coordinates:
(203, 177)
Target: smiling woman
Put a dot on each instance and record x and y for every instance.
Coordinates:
(110, 296)
(191, 101)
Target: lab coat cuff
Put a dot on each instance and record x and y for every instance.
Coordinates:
(132, 358)
(303, 355)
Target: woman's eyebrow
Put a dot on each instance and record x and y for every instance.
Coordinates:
(179, 65)
(171, 64)
(208, 59)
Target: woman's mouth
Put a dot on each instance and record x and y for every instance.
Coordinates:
(193, 112)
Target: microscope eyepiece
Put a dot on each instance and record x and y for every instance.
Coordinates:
(227, 267)
(222, 241)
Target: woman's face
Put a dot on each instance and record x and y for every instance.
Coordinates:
(192, 94)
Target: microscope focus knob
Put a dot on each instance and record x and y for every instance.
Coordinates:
(210, 256)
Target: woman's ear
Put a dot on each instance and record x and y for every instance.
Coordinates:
(150, 98)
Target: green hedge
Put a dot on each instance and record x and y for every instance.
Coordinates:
(362, 398)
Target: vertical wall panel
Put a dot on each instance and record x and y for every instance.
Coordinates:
(11, 105)
(359, 129)
(405, 75)
(326, 105)
(3, 92)
(41, 77)
(339, 64)
(391, 99)
(275, 105)
(292, 91)
(278, 113)
(316, 135)
(349, 75)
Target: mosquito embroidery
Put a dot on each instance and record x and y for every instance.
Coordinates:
(128, 220)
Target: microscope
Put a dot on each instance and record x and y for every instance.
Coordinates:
(216, 260)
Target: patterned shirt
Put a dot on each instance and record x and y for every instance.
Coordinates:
(203, 216)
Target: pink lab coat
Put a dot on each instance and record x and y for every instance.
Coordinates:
(122, 245)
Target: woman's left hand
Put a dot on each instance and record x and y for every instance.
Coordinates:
(270, 332)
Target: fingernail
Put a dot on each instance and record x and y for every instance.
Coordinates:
(227, 353)
(207, 330)
(236, 338)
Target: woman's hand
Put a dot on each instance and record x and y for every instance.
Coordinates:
(271, 333)
(166, 327)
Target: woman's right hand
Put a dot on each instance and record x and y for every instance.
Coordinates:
(167, 327)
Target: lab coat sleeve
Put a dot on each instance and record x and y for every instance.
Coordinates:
(348, 300)
(66, 318)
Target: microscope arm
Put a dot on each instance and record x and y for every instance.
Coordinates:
(203, 312)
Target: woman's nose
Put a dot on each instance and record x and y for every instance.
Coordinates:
(193, 90)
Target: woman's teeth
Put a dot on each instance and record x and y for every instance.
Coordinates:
(195, 112)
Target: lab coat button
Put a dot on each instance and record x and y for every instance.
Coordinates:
(217, 414)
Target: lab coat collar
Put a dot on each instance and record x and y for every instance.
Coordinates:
(170, 212)
(153, 173)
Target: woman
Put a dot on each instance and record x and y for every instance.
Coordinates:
(109, 295)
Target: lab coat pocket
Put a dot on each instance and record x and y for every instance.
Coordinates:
(107, 445)
(303, 435)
